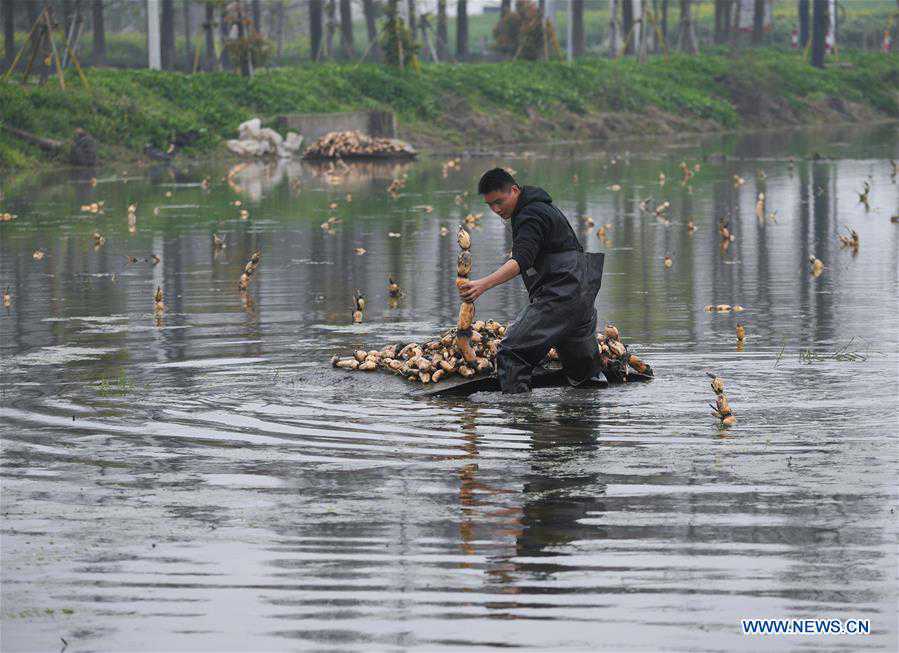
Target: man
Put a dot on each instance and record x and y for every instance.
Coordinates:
(562, 282)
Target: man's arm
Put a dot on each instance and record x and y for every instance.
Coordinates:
(471, 290)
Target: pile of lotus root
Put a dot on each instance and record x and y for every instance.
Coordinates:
(471, 347)
(441, 358)
(356, 145)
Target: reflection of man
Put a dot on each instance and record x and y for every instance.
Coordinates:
(562, 282)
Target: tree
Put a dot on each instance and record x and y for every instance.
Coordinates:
(277, 18)
(687, 35)
(627, 25)
(346, 29)
(613, 28)
(398, 43)
(523, 35)
(9, 31)
(803, 23)
(243, 47)
(330, 26)
(820, 20)
(208, 25)
(577, 27)
(316, 15)
(505, 7)
(758, 21)
(413, 19)
(461, 30)
(224, 35)
(99, 54)
(368, 8)
(188, 43)
(442, 31)
(719, 20)
(664, 26)
(726, 18)
(167, 34)
(66, 16)
(256, 11)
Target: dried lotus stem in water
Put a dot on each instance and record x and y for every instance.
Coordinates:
(249, 269)
(358, 305)
(158, 304)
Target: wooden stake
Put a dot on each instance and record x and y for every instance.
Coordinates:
(15, 62)
(62, 81)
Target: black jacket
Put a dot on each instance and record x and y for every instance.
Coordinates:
(539, 228)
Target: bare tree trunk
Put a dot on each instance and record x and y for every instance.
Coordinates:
(627, 25)
(577, 28)
(820, 20)
(368, 8)
(66, 15)
(224, 34)
(256, 10)
(188, 40)
(719, 17)
(209, 57)
(346, 29)
(315, 29)
(9, 31)
(442, 31)
(167, 34)
(687, 35)
(279, 30)
(462, 30)
(803, 23)
(735, 26)
(726, 12)
(758, 21)
(643, 43)
(246, 69)
(665, 22)
(330, 26)
(613, 28)
(413, 19)
(505, 7)
(99, 25)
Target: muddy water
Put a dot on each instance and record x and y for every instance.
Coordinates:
(208, 483)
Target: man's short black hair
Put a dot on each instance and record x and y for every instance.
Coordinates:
(496, 179)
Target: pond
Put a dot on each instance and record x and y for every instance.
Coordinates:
(203, 479)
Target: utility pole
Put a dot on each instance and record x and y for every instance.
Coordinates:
(153, 45)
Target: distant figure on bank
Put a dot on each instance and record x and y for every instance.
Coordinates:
(561, 279)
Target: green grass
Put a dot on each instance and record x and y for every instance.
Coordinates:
(128, 109)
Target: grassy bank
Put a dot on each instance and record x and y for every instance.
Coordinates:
(458, 104)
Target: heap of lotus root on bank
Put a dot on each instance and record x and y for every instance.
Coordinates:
(471, 347)
(354, 144)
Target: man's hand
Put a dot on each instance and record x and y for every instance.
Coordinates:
(469, 291)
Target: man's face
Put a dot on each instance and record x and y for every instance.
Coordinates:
(502, 202)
